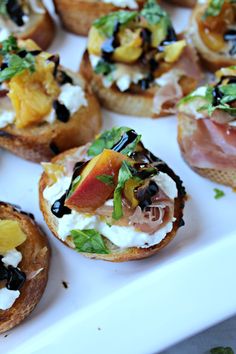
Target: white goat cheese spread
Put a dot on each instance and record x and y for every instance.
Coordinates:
(130, 4)
(71, 96)
(8, 297)
(4, 33)
(121, 236)
(6, 117)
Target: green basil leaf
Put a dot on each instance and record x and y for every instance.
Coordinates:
(229, 92)
(16, 65)
(123, 176)
(3, 7)
(89, 241)
(104, 67)
(218, 193)
(106, 179)
(74, 184)
(222, 350)
(8, 45)
(154, 14)
(106, 140)
(214, 8)
(106, 24)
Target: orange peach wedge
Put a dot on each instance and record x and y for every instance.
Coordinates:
(98, 180)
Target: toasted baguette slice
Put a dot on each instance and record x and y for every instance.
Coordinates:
(42, 142)
(35, 263)
(138, 104)
(211, 60)
(116, 254)
(77, 16)
(40, 28)
(186, 127)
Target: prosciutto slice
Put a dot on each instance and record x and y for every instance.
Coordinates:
(211, 145)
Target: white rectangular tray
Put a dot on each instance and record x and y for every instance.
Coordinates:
(136, 307)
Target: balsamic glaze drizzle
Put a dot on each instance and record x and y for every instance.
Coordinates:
(15, 12)
(62, 112)
(126, 139)
(110, 44)
(230, 36)
(14, 277)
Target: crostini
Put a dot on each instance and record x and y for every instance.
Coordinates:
(207, 128)
(26, 19)
(112, 199)
(212, 30)
(24, 264)
(136, 63)
(77, 16)
(44, 108)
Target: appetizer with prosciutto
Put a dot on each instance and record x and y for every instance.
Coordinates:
(44, 108)
(136, 63)
(112, 199)
(77, 16)
(213, 32)
(26, 19)
(207, 128)
(24, 263)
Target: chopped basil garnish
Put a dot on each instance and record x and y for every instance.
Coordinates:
(16, 65)
(74, 184)
(218, 193)
(106, 24)
(154, 14)
(132, 146)
(106, 179)
(3, 7)
(222, 350)
(104, 68)
(89, 241)
(214, 8)
(123, 176)
(106, 140)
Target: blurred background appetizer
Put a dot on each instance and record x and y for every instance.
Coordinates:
(44, 108)
(207, 128)
(77, 16)
(213, 32)
(112, 199)
(26, 19)
(137, 64)
(24, 263)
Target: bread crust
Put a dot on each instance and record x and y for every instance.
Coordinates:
(223, 176)
(35, 255)
(211, 60)
(42, 31)
(41, 143)
(77, 16)
(116, 255)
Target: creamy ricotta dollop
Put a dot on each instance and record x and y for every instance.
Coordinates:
(121, 236)
(8, 297)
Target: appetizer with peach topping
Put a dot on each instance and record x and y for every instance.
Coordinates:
(112, 199)
(77, 16)
(26, 19)
(136, 63)
(213, 32)
(207, 128)
(24, 263)
(44, 108)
